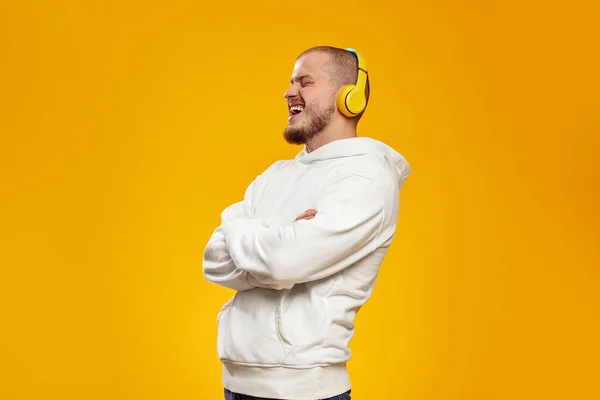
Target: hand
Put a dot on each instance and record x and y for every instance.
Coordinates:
(308, 214)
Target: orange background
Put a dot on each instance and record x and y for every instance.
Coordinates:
(127, 126)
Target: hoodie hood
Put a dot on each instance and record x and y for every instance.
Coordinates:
(358, 146)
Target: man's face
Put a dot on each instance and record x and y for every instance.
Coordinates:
(310, 99)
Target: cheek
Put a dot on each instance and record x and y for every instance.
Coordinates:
(313, 104)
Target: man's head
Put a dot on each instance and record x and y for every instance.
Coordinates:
(319, 74)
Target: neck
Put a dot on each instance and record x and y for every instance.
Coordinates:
(343, 129)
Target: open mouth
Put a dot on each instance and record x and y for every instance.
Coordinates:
(295, 109)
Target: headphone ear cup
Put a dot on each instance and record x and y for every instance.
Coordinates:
(355, 102)
(342, 102)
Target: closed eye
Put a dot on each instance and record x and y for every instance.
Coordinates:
(303, 79)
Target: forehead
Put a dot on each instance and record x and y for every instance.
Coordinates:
(310, 64)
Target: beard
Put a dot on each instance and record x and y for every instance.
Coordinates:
(314, 123)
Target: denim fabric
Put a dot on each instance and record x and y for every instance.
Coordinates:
(236, 396)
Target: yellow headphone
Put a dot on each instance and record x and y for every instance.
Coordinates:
(351, 100)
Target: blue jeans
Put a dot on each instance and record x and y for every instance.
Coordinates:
(236, 396)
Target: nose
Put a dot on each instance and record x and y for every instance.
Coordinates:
(291, 92)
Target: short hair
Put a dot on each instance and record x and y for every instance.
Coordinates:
(342, 67)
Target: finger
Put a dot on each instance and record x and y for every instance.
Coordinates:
(310, 213)
(307, 214)
(303, 216)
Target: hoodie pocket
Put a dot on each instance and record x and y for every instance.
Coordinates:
(248, 329)
(279, 322)
(305, 320)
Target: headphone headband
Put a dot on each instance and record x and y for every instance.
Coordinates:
(362, 65)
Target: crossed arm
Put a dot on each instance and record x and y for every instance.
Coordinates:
(219, 267)
(346, 226)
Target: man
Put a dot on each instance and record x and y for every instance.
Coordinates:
(304, 246)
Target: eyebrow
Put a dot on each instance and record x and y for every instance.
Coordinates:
(299, 78)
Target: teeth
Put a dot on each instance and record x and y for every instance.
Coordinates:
(297, 108)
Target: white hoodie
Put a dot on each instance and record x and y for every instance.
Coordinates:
(286, 332)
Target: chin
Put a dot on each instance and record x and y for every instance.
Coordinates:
(295, 134)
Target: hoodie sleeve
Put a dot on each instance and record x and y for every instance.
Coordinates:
(218, 266)
(350, 217)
